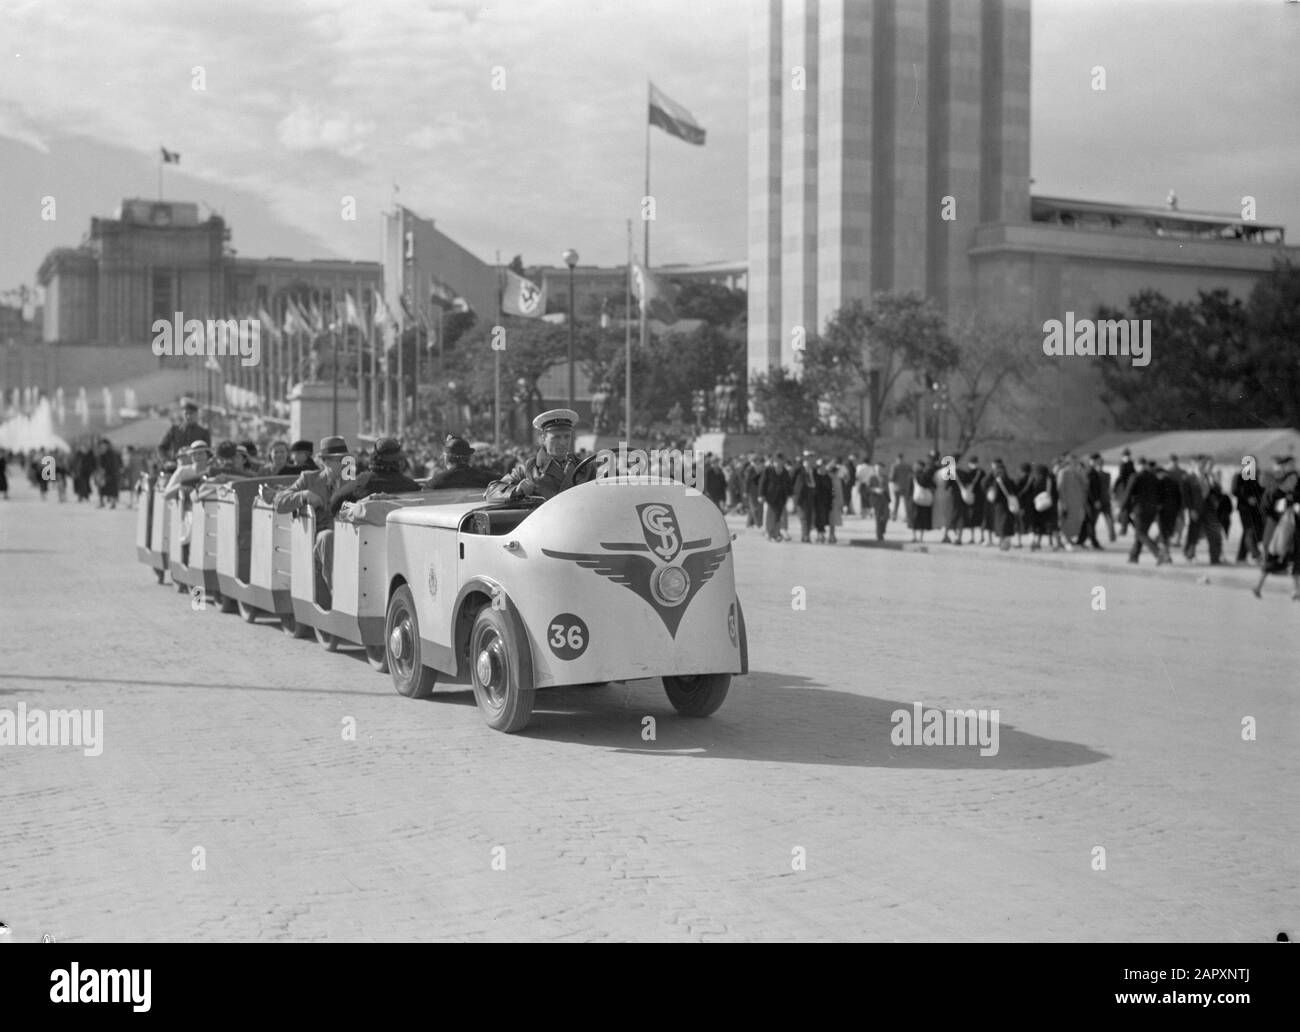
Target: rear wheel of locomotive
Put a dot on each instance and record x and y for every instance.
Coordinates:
(497, 672)
(402, 648)
(698, 695)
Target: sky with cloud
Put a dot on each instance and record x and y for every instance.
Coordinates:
(307, 102)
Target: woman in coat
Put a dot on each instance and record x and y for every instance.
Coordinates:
(1001, 520)
(1041, 521)
(838, 478)
(823, 499)
(923, 480)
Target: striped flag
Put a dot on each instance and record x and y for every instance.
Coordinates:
(674, 119)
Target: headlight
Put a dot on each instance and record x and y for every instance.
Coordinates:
(670, 585)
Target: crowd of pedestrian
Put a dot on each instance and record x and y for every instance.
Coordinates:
(95, 470)
(1058, 507)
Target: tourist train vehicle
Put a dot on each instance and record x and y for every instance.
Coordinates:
(615, 579)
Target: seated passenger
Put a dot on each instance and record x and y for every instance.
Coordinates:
(550, 471)
(193, 465)
(299, 460)
(459, 473)
(229, 465)
(385, 476)
(313, 489)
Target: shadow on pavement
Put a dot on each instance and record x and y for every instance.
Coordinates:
(779, 718)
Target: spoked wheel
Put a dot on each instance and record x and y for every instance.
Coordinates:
(495, 651)
(247, 613)
(402, 648)
(377, 657)
(292, 628)
(228, 605)
(329, 641)
(698, 695)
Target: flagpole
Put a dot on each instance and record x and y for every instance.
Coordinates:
(645, 254)
(401, 365)
(361, 364)
(645, 258)
(496, 371)
(627, 343)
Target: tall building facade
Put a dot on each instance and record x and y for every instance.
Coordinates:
(882, 135)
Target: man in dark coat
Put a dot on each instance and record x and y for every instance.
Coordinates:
(385, 476)
(1141, 509)
(753, 499)
(774, 489)
(715, 483)
(299, 460)
(185, 433)
(1125, 477)
(109, 474)
(1249, 494)
(1170, 491)
(823, 500)
(804, 492)
(551, 470)
(459, 473)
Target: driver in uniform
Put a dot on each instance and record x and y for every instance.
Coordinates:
(550, 471)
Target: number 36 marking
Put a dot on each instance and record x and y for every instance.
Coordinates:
(568, 636)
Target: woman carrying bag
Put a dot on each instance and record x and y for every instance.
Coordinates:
(922, 499)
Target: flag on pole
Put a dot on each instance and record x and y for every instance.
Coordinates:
(351, 314)
(653, 295)
(265, 319)
(315, 319)
(674, 119)
(170, 157)
(295, 321)
(523, 297)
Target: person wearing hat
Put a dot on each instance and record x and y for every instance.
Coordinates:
(185, 433)
(385, 476)
(459, 473)
(192, 464)
(226, 464)
(550, 471)
(313, 490)
(299, 461)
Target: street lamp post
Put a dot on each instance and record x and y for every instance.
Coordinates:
(571, 259)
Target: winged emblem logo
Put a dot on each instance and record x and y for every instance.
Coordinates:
(635, 564)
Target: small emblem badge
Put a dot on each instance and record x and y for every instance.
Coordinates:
(432, 572)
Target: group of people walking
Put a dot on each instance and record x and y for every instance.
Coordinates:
(94, 468)
(1065, 506)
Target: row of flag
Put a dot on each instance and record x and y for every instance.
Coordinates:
(525, 298)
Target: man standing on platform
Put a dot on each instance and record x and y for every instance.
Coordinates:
(185, 433)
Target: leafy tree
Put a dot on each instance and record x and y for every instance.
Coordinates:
(856, 368)
(1272, 384)
(788, 408)
(1201, 370)
(992, 356)
(715, 303)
